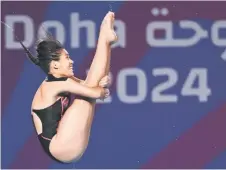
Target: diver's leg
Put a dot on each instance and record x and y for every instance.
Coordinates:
(74, 128)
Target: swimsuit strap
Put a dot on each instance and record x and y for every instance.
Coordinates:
(50, 78)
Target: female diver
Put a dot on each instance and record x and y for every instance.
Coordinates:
(64, 130)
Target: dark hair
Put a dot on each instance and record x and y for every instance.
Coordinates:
(47, 50)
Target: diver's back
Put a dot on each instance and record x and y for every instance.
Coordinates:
(48, 109)
(45, 96)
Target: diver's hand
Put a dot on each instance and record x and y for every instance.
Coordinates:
(105, 81)
(105, 93)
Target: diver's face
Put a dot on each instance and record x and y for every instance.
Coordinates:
(65, 66)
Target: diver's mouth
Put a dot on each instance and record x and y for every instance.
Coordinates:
(71, 68)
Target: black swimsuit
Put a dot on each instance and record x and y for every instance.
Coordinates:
(51, 116)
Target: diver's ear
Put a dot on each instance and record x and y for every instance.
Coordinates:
(55, 64)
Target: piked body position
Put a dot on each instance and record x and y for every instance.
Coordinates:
(63, 126)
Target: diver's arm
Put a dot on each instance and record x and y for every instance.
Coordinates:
(80, 89)
(104, 82)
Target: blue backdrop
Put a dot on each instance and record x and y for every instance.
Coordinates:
(168, 102)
